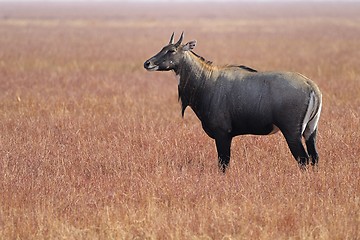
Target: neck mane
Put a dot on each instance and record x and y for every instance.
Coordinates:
(202, 59)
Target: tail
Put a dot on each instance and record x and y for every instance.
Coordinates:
(312, 115)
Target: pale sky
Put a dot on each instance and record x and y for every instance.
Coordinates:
(179, 0)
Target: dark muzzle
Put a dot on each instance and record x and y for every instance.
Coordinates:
(150, 66)
(147, 64)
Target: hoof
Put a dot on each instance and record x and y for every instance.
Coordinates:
(303, 167)
(222, 168)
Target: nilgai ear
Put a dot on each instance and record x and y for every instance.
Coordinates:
(189, 46)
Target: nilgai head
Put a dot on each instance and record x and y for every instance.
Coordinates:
(170, 56)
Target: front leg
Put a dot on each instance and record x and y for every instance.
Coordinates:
(223, 145)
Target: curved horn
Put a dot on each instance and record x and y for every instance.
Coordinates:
(172, 38)
(180, 40)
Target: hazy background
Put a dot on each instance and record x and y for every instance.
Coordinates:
(92, 146)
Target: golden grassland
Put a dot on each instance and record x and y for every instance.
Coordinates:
(94, 147)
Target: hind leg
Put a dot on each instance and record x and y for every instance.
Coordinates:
(311, 147)
(310, 136)
(297, 149)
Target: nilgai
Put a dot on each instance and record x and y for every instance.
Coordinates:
(236, 100)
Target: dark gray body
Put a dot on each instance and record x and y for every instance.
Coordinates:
(232, 100)
(248, 103)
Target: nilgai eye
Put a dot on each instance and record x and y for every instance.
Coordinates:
(172, 51)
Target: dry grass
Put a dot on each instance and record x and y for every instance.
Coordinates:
(93, 147)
